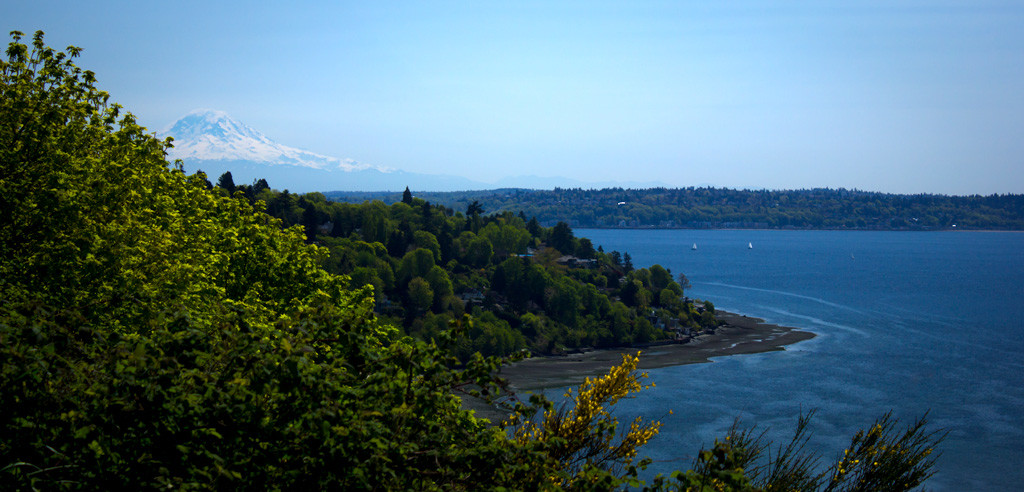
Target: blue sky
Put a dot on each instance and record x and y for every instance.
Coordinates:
(904, 96)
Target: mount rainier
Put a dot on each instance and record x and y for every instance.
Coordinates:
(213, 142)
(206, 134)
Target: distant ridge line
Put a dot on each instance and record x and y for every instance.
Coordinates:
(723, 208)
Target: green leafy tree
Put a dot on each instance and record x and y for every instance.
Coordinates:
(479, 252)
(441, 286)
(505, 239)
(374, 224)
(669, 299)
(564, 303)
(420, 294)
(634, 294)
(585, 248)
(416, 263)
(660, 277)
(426, 240)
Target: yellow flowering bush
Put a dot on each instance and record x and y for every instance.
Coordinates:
(883, 459)
(582, 433)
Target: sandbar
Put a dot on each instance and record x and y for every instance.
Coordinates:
(737, 334)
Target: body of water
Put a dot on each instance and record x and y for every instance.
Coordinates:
(911, 322)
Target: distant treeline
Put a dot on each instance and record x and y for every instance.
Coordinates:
(720, 208)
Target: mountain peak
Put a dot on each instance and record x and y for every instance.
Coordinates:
(212, 123)
(213, 135)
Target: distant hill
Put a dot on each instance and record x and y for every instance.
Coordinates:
(720, 208)
(552, 182)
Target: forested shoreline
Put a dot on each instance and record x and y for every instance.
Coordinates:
(721, 208)
(526, 286)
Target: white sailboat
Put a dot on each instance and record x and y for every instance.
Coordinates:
(694, 247)
(750, 245)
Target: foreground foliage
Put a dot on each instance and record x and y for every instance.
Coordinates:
(881, 458)
(157, 334)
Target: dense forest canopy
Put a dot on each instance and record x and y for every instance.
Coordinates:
(718, 208)
(157, 332)
(527, 286)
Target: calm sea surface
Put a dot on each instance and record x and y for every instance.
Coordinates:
(912, 322)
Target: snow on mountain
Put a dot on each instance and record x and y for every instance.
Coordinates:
(213, 142)
(210, 135)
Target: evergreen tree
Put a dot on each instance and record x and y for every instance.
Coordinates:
(533, 227)
(562, 239)
(260, 185)
(226, 182)
(427, 215)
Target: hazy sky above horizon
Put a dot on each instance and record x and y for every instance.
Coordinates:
(904, 97)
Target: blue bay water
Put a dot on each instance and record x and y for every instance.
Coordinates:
(905, 321)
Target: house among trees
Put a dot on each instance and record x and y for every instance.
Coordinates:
(574, 262)
(472, 295)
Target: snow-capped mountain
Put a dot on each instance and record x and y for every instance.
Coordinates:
(211, 141)
(206, 134)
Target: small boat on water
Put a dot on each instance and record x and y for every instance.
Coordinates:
(694, 247)
(750, 245)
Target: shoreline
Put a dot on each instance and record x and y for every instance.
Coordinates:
(739, 334)
(658, 228)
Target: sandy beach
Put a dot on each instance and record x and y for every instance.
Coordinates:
(738, 335)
